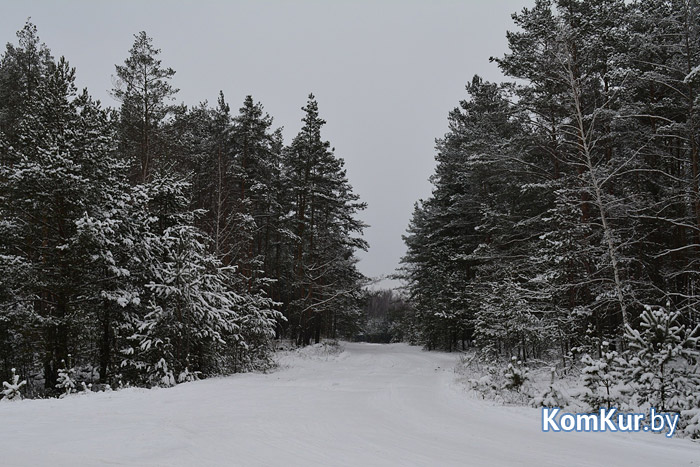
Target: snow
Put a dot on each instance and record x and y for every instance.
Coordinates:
(692, 75)
(375, 405)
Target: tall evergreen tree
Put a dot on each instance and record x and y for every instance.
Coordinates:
(23, 67)
(255, 168)
(62, 170)
(323, 274)
(143, 87)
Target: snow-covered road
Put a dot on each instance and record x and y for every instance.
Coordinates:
(372, 405)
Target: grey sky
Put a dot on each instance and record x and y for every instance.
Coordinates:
(385, 74)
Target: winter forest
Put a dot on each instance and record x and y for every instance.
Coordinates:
(558, 256)
(565, 216)
(154, 242)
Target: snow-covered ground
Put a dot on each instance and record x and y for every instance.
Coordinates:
(371, 405)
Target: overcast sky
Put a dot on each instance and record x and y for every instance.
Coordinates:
(385, 74)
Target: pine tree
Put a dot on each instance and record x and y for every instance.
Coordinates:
(23, 67)
(661, 359)
(11, 391)
(664, 48)
(515, 375)
(220, 228)
(552, 396)
(118, 237)
(603, 379)
(476, 230)
(61, 172)
(255, 167)
(323, 275)
(143, 87)
(192, 313)
(65, 381)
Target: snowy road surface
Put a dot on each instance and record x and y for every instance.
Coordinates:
(372, 405)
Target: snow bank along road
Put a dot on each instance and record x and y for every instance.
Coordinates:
(372, 405)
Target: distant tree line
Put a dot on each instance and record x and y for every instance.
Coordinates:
(384, 318)
(566, 202)
(153, 243)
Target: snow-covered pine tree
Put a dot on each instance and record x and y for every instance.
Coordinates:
(23, 67)
(664, 48)
(479, 229)
(323, 276)
(662, 360)
(143, 87)
(516, 374)
(579, 108)
(506, 324)
(255, 166)
(11, 391)
(603, 379)
(192, 312)
(61, 171)
(118, 238)
(66, 382)
(553, 395)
